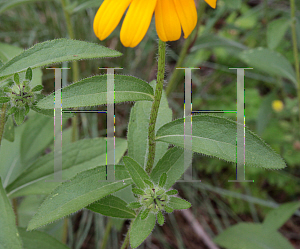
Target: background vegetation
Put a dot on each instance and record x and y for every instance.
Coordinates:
(252, 33)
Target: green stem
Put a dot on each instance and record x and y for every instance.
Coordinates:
(175, 75)
(70, 30)
(106, 234)
(156, 103)
(295, 49)
(75, 77)
(2, 121)
(75, 69)
(65, 231)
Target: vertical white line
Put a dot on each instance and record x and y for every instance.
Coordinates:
(240, 127)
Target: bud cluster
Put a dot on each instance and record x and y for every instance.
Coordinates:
(20, 96)
(153, 199)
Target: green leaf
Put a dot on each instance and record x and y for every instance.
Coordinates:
(82, 190)
(178, 203)
(168, 209)
(9, 130)
(137, 173)
(17, 79)
(8, 51)
(172, 192)
(138, 191)
(251, 236)
(145, 214)
(215, 41)
(55, 51)
(38, 240)
(28, 75)
(76, 157)
(4, 99)
(87, 4)
(37, 88)
(233, 4)
(19, 115)
(9, 236)
(28, 207)
(38, 135)
(149, 183)
(27, 109)
(173, 164)
(277, 217)
(276, 31)
(270, 62)
(12, 110)
(141, 229)
(162, 180)
(160, 192)
(138, 126)
(50, 112)
(216, 136)
(134, 205)
(160, 218)
(93, 91)
(8, 4)
(112, 206)
(7, 89)
(11, 165)
(126, 194)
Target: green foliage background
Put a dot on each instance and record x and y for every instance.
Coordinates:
(237, 34)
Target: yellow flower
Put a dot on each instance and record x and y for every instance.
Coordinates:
(277, 105)
(170, 17)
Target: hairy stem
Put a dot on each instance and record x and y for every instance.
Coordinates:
(156, 103)
(295, 49)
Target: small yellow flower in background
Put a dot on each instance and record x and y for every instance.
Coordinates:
(170, 17)
(277, 105)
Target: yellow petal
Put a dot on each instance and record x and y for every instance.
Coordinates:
(187, 14)
(137, 22)
(212, 3)
(108, 17)
(166, 21)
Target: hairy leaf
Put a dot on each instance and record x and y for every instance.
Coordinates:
(277, 217)
(141, 229)
(137, 173)
(216, 136)
(251, 236)
(112, 206)
(9, 235)
(79, 156)
(82, 190)
(93, 91)
(38, 240)
(55, 51)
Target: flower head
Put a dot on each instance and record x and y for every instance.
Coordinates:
(171, 16)
(277, 105)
